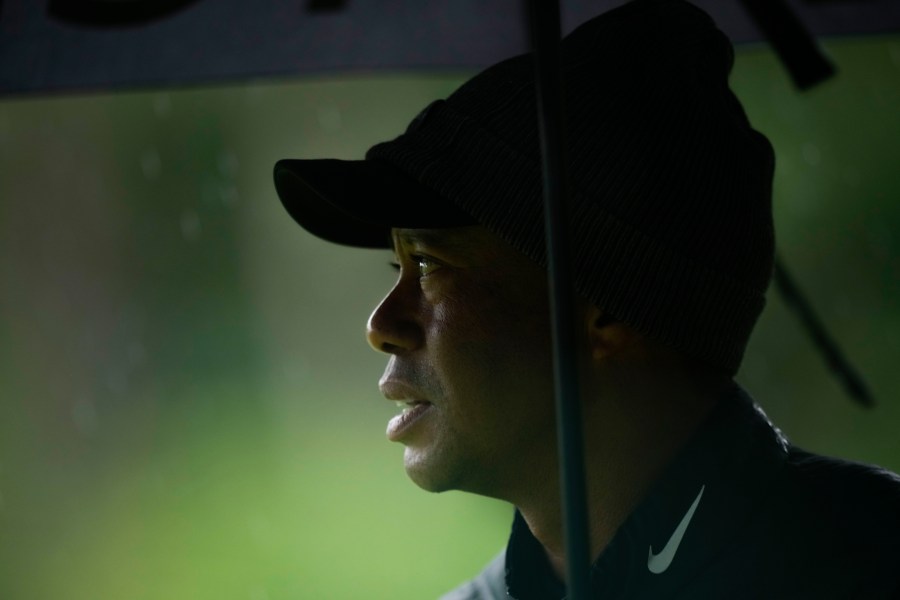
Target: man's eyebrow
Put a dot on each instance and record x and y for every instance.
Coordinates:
(435, 238)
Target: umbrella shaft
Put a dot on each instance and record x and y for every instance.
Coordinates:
(545, 30)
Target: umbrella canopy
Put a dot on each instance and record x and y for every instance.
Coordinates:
(53, 45)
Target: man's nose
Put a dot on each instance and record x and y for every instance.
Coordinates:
(394, 326)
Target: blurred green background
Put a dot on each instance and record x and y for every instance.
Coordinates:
(188, 408)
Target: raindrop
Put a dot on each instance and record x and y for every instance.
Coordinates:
(253, 92)
(117, 382)
(329, 118)
(151, 164)
(84, 415)
(229, 195)
(190, 225)
(209, 194)
(228, 164)
(137, 354)
(811, 154)
(786, 164)
(894, 50)
(162, 105)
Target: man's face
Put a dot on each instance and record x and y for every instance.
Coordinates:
(467, 330)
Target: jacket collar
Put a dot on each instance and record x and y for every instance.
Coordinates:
(698, 504)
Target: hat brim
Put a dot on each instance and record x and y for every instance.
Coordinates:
(356, 203)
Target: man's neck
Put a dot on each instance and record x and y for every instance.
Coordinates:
(629, 441)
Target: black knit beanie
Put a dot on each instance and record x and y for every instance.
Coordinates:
(671, 187)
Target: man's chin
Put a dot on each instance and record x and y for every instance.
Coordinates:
(428, 473)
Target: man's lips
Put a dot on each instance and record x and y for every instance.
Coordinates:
(412, 404)
(413, 412)
(400, 391)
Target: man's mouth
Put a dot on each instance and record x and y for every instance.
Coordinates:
(411, 412)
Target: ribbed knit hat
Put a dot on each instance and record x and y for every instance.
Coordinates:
(671, 187)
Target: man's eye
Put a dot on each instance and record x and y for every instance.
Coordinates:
(425, 264)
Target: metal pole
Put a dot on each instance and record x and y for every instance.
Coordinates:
(834, 358)
(545, 30)
(791, 40)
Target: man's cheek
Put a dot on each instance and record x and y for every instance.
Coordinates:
(466, 319)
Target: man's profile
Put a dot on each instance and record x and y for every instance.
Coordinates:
(692, 492)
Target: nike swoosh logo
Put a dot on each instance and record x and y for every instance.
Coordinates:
(658, 563)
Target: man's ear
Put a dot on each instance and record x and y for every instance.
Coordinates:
(607, 336)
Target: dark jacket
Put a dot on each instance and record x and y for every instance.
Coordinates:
(740, 513)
